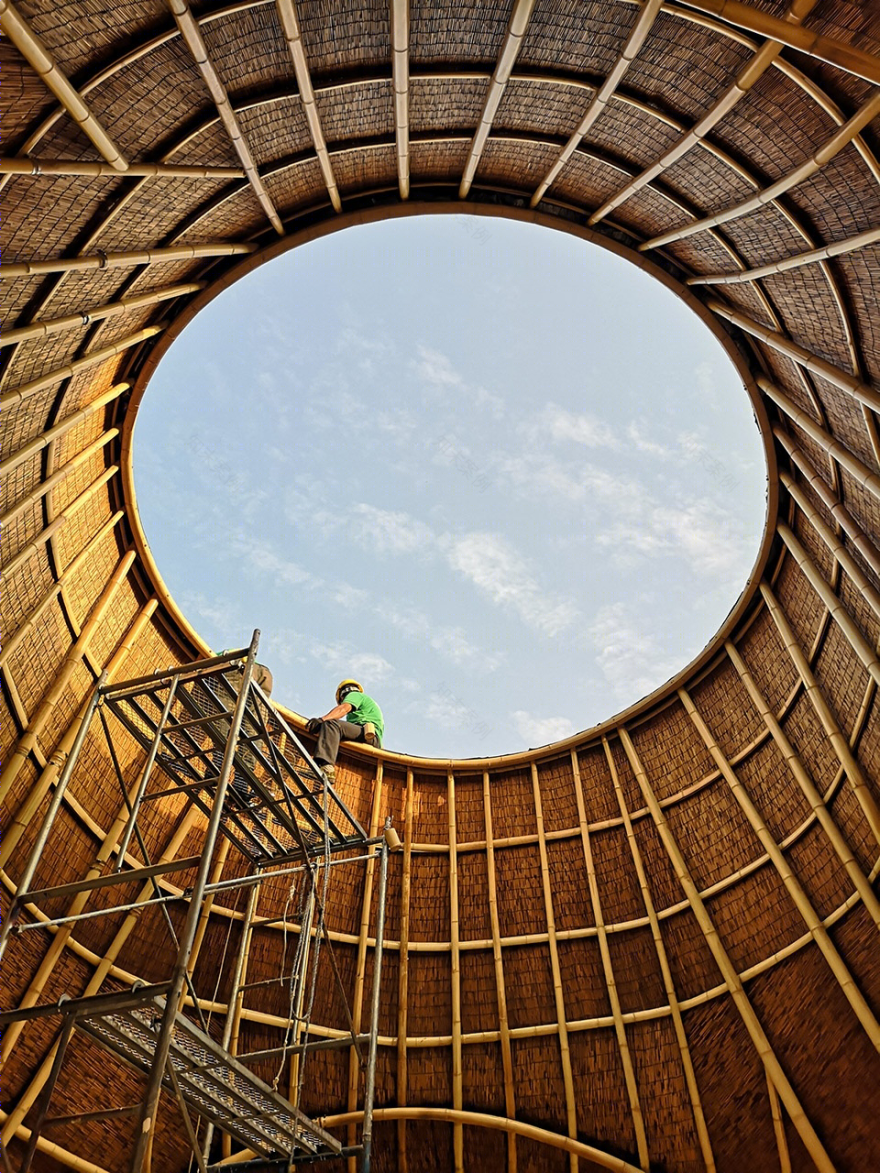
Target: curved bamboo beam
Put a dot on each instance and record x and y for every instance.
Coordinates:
(837, 249)
(287, 14)
(516, 31)
(644, 21)
(43, 487)
(840, 139)
(745, 80)
(608, 971)
(14, 398)
(192, 36)
(32, 447)
(40, 59)
(732, 979)
(675, 1007)
(400, 82)
(102, 260)
(112, 309)
(558, 995)
(37, 168)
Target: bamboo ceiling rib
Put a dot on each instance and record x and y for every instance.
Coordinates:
(558, 995)
(153, 256)
(400, 82)
(42, 487)
(516, 31)
(833, 731)
(838, 612)
(34, 52)
(828, 49)
(99, 313)
(838, 249)
(403, 969)
(500, 990)
(457, 1090)
(644, 20)
(38, 168)
(192, 36)
(745, 80)
(836, 508)
(778, 1128)
(287, 14)
(33, 1089)
(62, 1156)
(799, 898)
(13, 398)
(32, 447)
(732, 980)
(666, 973)
(608, 970)
(863, 392)
(840, 139)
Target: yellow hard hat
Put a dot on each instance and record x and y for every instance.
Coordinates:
(346, 686)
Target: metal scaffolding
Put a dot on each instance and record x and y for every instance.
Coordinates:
(207, 732)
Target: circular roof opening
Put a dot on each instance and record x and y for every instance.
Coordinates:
(490, 470)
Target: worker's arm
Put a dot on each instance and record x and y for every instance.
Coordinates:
(336, 713)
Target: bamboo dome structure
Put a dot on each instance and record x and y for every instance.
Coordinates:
(653, 946)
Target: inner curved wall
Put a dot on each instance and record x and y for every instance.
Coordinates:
(653, 940)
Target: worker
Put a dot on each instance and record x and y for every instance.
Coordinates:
(355, 717)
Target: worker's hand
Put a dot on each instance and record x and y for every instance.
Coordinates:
(313, 725)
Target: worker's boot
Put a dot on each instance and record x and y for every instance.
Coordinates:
(370, 735)
(328, 769)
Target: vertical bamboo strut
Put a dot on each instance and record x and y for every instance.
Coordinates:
(732, 980)
(666, 973)
(403, 972)
(26, 812)
(559, 998)
(400, 82)
(503, 1027)
(608, 970)
(74, 657)
(457, 1096)
(778, 1128)
(792, 885)
(358, 1001)
(835, 735)
(29, 1095)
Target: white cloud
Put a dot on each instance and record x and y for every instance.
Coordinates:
(706, 536)
(541, 730)
(644, 443)
(450, 642)
(342, 659)
(439, 375)
(383, 529)
(579, 428)
(631, 661)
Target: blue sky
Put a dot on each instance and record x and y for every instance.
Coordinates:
(499, 475)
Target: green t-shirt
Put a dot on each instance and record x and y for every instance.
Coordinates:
(364, 709)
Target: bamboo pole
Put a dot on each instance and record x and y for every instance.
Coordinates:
(15, 640)
(608, 971)
(837, 249)
(732, 980)
(503, 1025)
(792, 885)
(403, 970)
(457, 1090)
(102, 260)
(863, 392)
(828, 49)
(192, 37)
(71, 661)
(13, 398)
(43, 487)
(838, 612)
(841, 138)
(32, 447)
(833, 504)
(645, 18)
(516, 32)
(62, 1156)
(40, 59)
(666, 973)
(778, 1129)
(743, 83)
(61, 519)
(39, 1078)
(400, 82)
(287, 15)
(841, 746)
(360, 973)
(99, 313)
(808, 788)
(558, 995)
(37, 168)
